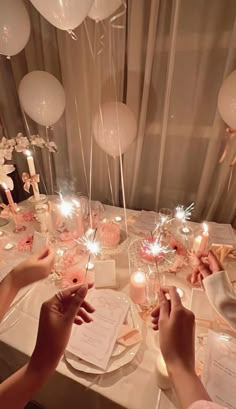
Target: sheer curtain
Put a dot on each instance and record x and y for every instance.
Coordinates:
(170, 59)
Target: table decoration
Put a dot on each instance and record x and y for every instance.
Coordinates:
(9, 246)
(25, 243)
(137, 287)
(12, 210)
(105, 274)
(109, 234)
(31, 179)
(120, 355)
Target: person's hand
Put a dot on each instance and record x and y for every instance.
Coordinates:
(56, 318)
(176, 331)
(34, 268)
(208, 264)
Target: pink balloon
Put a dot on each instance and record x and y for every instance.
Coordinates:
(227, 100)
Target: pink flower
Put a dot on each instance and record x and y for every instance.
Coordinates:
(28, 216)
(67, 235)
(176, 245)
(25, 244)
(68, 259)
(72, 277)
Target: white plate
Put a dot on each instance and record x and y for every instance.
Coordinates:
(121, 355)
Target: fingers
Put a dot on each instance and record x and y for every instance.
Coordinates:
(203, 269)
(76, 302)
(84, 316)
(40, 255)
(155, 318)
(194, 276)
(88, 307)
(164, 305)
(214, 262)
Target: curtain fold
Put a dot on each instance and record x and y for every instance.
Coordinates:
(167, 62)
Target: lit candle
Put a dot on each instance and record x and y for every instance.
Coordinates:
(8, 195)
(8, 246)
(118, 219)
(197, 243)
(138, 287)
(161, 373)
(32, 171)
(205, 237)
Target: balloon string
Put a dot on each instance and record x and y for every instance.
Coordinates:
(72, 34)
(121, 14)
(50, 162)
(110, 182)
(89, 41)
(81, 145)
(94, 55)
(112, 68)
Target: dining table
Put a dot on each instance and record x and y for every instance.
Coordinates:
(132, 386)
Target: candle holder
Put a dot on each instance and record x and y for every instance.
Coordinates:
(41, 199)
(185, 230)
(16, 217)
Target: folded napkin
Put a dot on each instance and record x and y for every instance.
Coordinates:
(128, 336)
(221, 250)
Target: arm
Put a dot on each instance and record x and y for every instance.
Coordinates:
(29, 271)
(220, 293)
(176, 334)
(17, 390)
(187, 386)
(55, 324)
(8, 292)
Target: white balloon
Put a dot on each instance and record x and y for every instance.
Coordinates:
(63, 14)
(14, 27)
(114, 128)
(227, 100)
(42, 97)
(102, 9)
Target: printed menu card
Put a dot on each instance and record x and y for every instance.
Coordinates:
(94, 342)
(219, 371)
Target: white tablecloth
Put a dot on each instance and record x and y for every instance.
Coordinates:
(132, 386)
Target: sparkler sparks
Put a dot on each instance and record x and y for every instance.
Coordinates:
(93, 246)
(155, 249)
(184, 214)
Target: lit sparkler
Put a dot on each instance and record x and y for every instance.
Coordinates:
(93, 246)
(155, 248)
(184, 214)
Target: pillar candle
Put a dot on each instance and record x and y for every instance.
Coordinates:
(138, 287)
(205, 237)
(197, 243)
(32, 171)
(9, 197)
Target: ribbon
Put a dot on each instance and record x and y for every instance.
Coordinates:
(29, 181)
(7, 210)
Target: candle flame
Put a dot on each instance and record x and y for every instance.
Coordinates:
(139, 277)
(28, 152)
